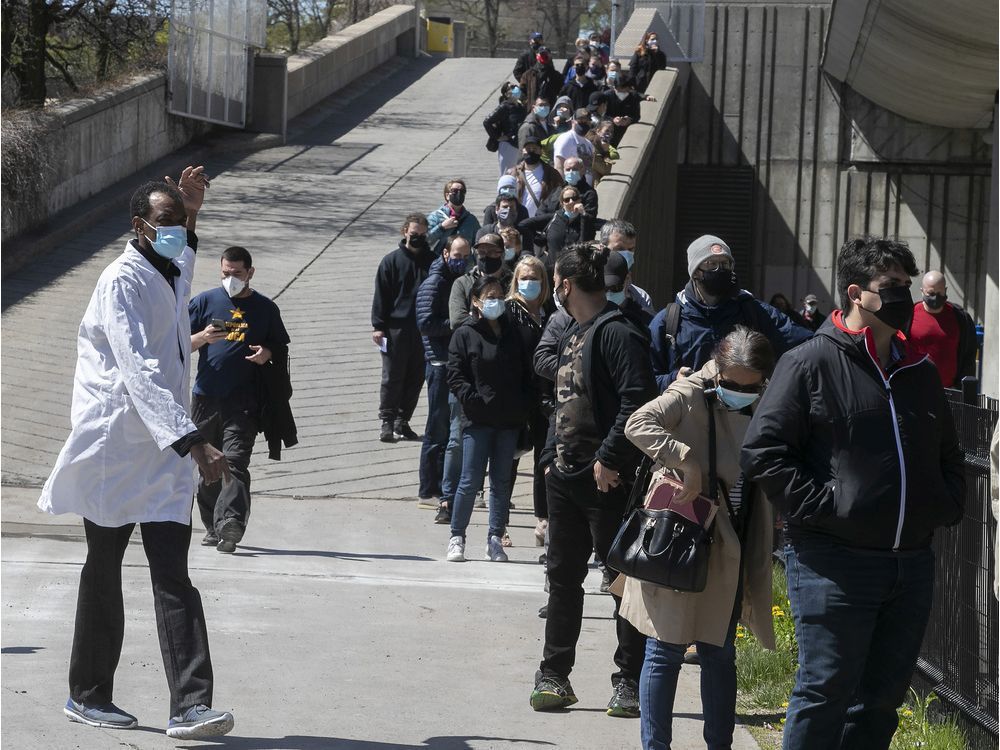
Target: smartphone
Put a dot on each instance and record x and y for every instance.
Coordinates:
(219, 324)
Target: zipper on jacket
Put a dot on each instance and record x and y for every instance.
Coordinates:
(899, 442)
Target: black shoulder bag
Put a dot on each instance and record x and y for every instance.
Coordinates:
(663, 547)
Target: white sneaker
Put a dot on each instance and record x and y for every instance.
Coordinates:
(494, 550)
(480, 500)
(456, 549)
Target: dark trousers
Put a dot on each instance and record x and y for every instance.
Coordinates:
(582, 520)
(539, 432)
(859, 620)
(100, 616)
(435, 433)
(229, 424)
(402, 375)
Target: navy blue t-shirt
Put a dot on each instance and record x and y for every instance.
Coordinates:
(256, 320)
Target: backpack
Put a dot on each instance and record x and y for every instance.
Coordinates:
(672, 322)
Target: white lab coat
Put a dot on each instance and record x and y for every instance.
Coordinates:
(131, 401)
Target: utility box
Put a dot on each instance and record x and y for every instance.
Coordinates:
(440, 35)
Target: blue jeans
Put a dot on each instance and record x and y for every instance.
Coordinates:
(859, 620)
(452, 452)
(481, 445)
(435, 433)
(658, 686)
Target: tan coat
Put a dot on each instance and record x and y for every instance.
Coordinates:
(668, 429)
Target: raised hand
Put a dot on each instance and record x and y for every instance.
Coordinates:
(192, 185)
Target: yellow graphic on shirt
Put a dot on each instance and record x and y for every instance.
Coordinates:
(237, 327)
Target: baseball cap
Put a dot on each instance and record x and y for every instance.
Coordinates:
(615, 270)
(490, 239)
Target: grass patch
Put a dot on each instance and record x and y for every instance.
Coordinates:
(765, 680)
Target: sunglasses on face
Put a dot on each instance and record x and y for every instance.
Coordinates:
(729, 385)
(570, 198)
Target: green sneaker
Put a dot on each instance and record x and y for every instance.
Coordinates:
(551, 693)
(624, 701)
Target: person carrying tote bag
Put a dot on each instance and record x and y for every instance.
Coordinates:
(673, 430)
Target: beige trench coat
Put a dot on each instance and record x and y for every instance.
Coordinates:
(668, 429)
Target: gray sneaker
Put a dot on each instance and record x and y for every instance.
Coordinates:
(199, 722)
(210, 539)
(107, 716)
(494, 550)
(230, 533)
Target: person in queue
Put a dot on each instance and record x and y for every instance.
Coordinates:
(673, 430)
(451, 217)
(488, 252)
(529, 305)
(489, 373)
(535, 179)
(622, 236)
(603, 376)
(536, 123)
(437, 488)
(503, 123)
(646, 60)
(709, 307)
(569, 225)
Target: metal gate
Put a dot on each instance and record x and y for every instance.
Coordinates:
(208, 66)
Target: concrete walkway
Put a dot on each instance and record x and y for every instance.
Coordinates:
(336, 624)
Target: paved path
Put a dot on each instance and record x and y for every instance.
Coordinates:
(336, 625)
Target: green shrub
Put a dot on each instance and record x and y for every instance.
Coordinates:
(918, 728)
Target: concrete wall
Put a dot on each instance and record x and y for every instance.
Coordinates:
(340, 58)
(93, 143)
(828, 164)
(643, 177)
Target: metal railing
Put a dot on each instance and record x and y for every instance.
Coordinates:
(959, 658)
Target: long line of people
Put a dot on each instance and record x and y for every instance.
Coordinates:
(538, 346)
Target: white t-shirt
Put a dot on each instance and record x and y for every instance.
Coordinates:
(533, 177)
(570, 144)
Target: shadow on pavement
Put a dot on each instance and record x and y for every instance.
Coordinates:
(20, 649)
(245, 551)
(300, 742)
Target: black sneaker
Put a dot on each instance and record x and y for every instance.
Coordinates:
(551, 693)
(607, 578)
(624, 701)
(443, 514)
(403, 432)
(543, 611)
(387, 435)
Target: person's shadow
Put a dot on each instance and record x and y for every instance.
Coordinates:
(302, 742)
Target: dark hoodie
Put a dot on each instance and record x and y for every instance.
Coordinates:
(850, 452)
(396, 281)
(491, 374)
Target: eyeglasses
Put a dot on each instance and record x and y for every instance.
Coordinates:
(729, 385)
(716, 265)
(617, 288)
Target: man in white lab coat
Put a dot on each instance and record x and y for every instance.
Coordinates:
(126, 462)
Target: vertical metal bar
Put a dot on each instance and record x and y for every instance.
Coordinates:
(229, 47)
(211, 50)
(190, 97)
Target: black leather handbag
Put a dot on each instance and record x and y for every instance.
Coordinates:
(663, 547)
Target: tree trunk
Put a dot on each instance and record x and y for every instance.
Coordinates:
(33, 54)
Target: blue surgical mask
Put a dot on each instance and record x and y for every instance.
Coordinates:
(572, 177)
(493, 308)
(516, 92)
(529, 289)
(734, 400)
(509, 253)
(542, 111)
(569, 214)
(612, 77)
(457, 265)
(170, 241)
(617, 298)
(629, 257)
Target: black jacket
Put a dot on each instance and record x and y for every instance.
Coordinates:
(396, 281)
(525, 61)
(542, 81)
(642, 67)
(491, 375)
(274, 394)
(432, 311)
(618, 379)
(504, 121)
(563, 231)
(579, 93)
(967, 345)
(848, 453)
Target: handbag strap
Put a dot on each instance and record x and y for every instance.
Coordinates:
(638, 494)
(713, 477)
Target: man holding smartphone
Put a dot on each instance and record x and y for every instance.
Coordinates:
(238, 331)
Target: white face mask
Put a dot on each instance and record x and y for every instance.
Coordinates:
(233, 285)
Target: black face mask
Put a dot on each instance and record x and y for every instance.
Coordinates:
(897, 308)
(935, 301)
(532, 159)
(489, 265)
(456, 198)
(580, 68)
(418, 242)
(719, 283)
(583, 127)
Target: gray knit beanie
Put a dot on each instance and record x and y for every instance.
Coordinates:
(701, 250)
